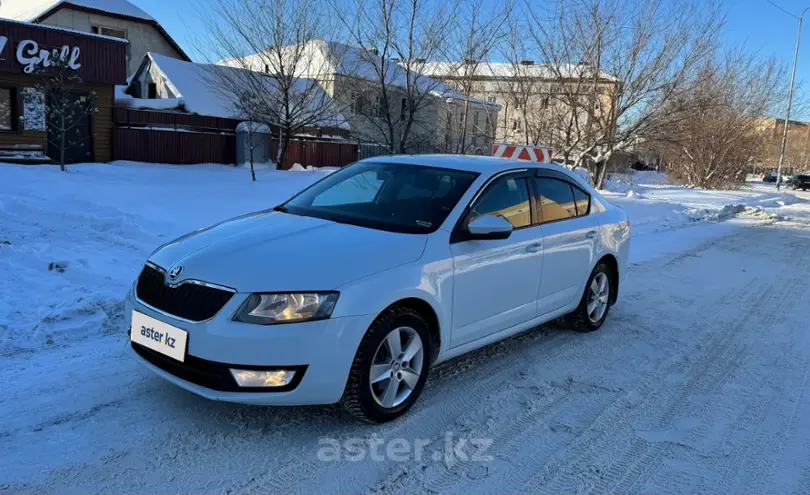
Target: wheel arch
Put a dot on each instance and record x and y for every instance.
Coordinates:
(427, 311)
(613, 265)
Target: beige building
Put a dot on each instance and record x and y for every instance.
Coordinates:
(349, 75)
(115, 18)
(797, 151)
(540, 105)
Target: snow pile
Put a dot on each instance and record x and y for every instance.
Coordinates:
(72, 243)
(255, 127)
(297, 167)
(152, 103)
(625, 182)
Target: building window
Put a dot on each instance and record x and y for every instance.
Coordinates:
(151, 91)
(8, 109)
(381, 107)
(357, 103)
(112, 32)
(475, 123)
(489, 127)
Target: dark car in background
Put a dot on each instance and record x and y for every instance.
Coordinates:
(800, 181)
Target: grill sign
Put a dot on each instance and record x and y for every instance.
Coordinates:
(30, 55)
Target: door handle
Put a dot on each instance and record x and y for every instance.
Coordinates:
(591, 234)
(533, 248)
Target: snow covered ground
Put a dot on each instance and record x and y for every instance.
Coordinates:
(695, 384)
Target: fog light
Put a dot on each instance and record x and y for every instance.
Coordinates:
(257, 378)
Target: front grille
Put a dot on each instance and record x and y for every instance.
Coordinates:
(211, 374)
(190, 301)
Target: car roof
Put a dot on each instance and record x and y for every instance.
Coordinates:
(472, 163)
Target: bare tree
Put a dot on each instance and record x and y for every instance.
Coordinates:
(474, 39)
(620, 63)
(67, 106)
(389, 94)
(719, 132)
(522, 88)
(274, 44)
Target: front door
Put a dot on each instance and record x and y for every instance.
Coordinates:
(496, 281)
(570, 234)
(67, 116)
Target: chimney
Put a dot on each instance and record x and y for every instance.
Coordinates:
(527, 62)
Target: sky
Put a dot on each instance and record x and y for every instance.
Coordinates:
(757, 25)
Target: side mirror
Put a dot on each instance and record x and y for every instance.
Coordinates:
(490, 227)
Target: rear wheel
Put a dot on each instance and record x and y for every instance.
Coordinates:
(595, 303)
(390, 367)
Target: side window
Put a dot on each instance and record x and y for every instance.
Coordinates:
(582, 200)
(555, 199)
(506, 198)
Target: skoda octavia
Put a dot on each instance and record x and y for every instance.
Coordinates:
(351, 290)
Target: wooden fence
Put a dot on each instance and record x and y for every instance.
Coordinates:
(180, 138)
(174, 147)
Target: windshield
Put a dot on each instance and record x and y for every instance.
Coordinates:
(385, 196)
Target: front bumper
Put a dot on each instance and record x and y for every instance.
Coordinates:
(320, 351)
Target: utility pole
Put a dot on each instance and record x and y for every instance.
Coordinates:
(790, 101)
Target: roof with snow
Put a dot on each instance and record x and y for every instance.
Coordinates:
(193, 87)
(501, 70)
(38, 10)
(32, 10)
(327, 58)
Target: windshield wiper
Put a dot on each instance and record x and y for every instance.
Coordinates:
(281, 208)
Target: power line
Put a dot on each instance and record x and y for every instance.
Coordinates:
(783, 10)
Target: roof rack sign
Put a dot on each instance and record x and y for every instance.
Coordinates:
(529, 153)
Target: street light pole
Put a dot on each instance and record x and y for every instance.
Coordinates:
(790, 101)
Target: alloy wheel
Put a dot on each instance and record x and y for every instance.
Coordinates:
(598, 297)
(396, 367)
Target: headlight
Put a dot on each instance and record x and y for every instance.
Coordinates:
(270, 309)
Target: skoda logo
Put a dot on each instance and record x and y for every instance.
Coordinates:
(175, 271)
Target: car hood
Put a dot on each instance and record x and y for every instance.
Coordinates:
(271, 251)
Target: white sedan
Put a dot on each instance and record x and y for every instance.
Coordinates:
(351, 290)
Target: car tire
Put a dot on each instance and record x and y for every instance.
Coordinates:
(367, 401)
(581, 319)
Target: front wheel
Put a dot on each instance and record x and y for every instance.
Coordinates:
(390, 367)
(595, 303)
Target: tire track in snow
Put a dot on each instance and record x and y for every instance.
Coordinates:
(616, 418)
(712, 373)
(433, 414)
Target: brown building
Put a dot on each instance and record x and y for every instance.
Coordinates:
(99, 61)
(797, 151)
(116, 18)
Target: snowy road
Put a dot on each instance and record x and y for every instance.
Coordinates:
(695, 384)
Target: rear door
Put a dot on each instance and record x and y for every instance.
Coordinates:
(570, 234)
